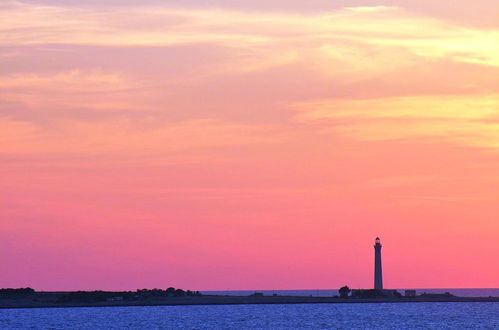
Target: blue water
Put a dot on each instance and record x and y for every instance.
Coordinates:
(494, 292)
(301, 316)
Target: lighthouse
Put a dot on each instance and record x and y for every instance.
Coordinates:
(378, 274)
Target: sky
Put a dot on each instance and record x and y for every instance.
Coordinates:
(263, 144)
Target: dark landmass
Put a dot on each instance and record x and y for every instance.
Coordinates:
(28, 298)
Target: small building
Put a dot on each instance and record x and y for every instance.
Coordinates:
(410, 293)
(437, 295)
(373, 293)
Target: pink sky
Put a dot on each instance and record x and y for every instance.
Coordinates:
(215, 145)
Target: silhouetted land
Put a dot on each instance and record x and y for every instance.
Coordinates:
(28, 298)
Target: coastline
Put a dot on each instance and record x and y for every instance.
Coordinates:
(40, 301)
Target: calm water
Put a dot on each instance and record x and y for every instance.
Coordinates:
(303, 316)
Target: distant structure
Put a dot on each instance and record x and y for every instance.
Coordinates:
(378, 291)
(378, 274)
(410, 293)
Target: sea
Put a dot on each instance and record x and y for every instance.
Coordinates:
(297, 316)
(426, 315)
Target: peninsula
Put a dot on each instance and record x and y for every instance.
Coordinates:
(28, 298)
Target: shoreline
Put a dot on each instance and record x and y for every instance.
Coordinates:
(231, 300)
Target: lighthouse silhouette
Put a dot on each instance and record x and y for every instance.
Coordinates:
(378, 274)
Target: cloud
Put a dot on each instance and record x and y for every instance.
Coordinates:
(390, 27)
(130, 136)
(468, 120)
(370, 9)
(68, 81)
(437, 198)
(263, 61)
(66, 91)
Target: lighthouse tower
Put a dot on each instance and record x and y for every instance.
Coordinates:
(378, 275)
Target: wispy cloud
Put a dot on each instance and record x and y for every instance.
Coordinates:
(68, 81)
(129, 136)
(159, 26)
(369, 46)
(468, 120)
(437, 198)
(371, 9)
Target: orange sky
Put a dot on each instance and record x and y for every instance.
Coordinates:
(248, 144)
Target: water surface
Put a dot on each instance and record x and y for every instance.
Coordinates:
(299, 316)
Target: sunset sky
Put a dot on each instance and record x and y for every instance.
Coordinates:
(248, 144)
